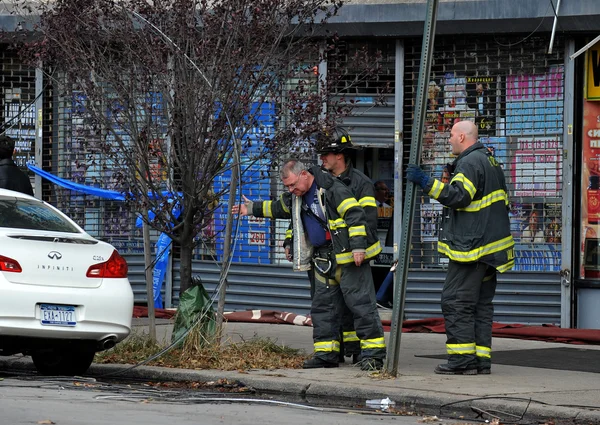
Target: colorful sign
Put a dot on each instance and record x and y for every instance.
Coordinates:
(592, 80)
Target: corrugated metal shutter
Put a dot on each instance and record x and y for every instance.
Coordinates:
(527, 298)
(513, 91)
(371, 122)
(531, 298)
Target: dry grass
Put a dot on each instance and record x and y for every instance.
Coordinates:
(196, 353)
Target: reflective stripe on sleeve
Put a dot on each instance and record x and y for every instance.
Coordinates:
(345, 205)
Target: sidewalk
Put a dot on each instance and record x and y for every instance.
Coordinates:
(522, 391)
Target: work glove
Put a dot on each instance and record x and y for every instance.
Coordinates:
(417, 176)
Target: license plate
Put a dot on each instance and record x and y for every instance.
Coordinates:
(58, 315)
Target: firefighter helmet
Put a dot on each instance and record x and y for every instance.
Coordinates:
(335, 141)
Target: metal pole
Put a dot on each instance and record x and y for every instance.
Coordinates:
(585, 48)
(554, 27)
(409, 199)
(39, 89)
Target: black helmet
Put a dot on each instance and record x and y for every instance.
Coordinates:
(337, 140)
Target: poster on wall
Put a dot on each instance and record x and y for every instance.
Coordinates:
(534, 103)
(537, 167)
(590, 184)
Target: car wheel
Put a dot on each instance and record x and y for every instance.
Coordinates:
(62, 362)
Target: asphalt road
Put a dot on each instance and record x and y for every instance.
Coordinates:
(87, 402)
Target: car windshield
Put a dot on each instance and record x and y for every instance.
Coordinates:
(17, 213)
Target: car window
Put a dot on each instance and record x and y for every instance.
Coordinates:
(16, 213)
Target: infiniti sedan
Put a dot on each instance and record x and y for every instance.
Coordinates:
(63, 294)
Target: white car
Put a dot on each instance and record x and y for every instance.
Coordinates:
(63, 294)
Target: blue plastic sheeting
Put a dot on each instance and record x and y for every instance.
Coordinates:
(90, 190)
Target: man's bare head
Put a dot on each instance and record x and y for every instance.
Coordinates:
(463, 135)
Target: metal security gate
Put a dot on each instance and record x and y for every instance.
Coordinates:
(531, 298)
(514, 92)
(371, 121)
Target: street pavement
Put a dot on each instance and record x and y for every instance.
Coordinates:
(513, 393)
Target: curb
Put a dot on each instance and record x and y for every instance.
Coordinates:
(444, 405)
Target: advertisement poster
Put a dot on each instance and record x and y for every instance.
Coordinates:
(590, 184)
(537, 167)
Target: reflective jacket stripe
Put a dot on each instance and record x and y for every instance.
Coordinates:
(337, 224)
(486, 201)
(357, 231)
(267, 209)
(345, 205)
(347, 257)
(367, 201)
(468, 348)
(477, 253)
(467, 184)
(436, 189)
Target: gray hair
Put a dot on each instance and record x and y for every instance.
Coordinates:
(291, 166)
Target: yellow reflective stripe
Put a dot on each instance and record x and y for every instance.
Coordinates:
(338, 223)
(366, 344)
(350, 336)
(347, 257)
(344, 258)
(506, 267)
(367, 201)
(436, 189)
(327, 346)
(373, 250)
(345, 205)
(267, 211)
(477, 253)
(357, 231)
(485, 352)
(467, 184)
(486, 201)
(285, 208)
(468, 348)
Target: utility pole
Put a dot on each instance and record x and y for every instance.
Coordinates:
(401, 275)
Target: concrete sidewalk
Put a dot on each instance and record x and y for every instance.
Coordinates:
(533, 393)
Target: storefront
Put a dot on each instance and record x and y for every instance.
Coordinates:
(537, 111)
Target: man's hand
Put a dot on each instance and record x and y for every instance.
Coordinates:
(243, 209)
(416, 175)
(359, 257)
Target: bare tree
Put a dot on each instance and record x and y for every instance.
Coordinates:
(173, 90)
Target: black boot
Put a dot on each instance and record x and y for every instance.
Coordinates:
(316, 363)
(446, 369)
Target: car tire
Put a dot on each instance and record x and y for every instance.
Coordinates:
(54, 362)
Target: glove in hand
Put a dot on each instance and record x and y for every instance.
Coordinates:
(416, 175)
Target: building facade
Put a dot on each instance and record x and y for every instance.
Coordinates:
(503, 64)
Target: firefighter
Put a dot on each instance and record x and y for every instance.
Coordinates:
(475, 236)
(330, 234)
(335, 149)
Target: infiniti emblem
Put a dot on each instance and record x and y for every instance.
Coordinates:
(54, 255)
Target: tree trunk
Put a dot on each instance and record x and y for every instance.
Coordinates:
(185, 259)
